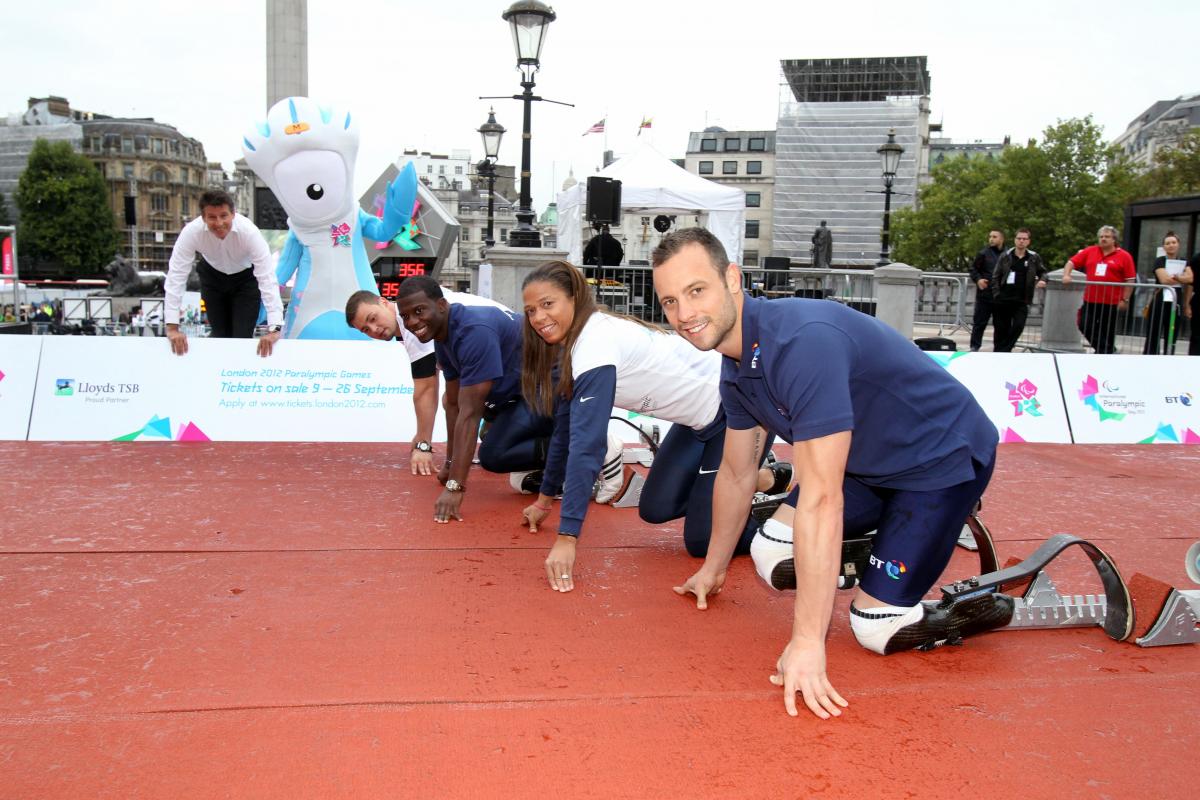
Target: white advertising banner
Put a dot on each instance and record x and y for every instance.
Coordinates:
(1018, 391)
(134, 389)
(1132, 399)
(18, 370)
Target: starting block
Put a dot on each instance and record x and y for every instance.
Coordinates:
(633, 492)
(1165, 614)
(1177, 623)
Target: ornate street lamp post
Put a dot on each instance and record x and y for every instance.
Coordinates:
(889, 154)
(491, 132)
(528, 20)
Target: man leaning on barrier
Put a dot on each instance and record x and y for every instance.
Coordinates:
(1104, 262)
(235, 275)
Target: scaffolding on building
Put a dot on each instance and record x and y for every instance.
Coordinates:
(855, 80)
(833, 116)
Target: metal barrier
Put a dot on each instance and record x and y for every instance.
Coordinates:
(627, 290)
(944, 301)
(941, 301)
(851, 287)
(110, 328)
(1152, 323)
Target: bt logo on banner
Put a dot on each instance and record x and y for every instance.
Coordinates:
(1184, 399)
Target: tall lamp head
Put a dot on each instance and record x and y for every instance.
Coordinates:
(491, 132)
(529, 20)
(889, 154)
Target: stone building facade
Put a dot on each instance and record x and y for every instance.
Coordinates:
(745, 160)
(163, 171)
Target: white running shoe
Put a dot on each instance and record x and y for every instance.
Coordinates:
(610, 484)
(772, 553)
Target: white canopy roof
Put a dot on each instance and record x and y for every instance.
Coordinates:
(653, 184)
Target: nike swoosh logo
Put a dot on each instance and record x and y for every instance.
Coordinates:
(704, 471)
(585, 399)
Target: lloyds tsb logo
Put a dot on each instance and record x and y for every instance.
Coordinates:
(65, 387)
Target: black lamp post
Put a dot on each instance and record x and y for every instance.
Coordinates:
(529, 20)
(491, 132)
(889, 154)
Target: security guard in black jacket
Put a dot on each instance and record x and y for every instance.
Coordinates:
(981, 274)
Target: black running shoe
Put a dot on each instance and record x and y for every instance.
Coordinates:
(532, 483)
(782, 471)
(763, 506)
(952, 623)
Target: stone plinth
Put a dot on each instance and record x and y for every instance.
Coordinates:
(1060, 332)
(896, 287)
(510, 265)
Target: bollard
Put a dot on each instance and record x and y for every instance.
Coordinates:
(1060, 329)
(896, 287)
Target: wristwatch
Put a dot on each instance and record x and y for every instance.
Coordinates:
(275, 329)
(454, 486)
(424, 447)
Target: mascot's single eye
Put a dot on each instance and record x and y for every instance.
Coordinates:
(315, 191)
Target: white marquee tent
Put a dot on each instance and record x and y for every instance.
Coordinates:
(653, 184)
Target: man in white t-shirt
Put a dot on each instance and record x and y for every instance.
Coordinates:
(235, 275)
(379, 318)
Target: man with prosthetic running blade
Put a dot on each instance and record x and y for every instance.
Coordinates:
(883, 439)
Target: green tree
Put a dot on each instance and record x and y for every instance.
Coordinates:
(5, 217)
(950, 224)
(1176, 170)
(1062, 188)
(65, 217)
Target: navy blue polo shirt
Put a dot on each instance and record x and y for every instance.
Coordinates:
(813, 368)
(483, 343)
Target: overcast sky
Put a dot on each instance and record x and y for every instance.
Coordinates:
(412, 72)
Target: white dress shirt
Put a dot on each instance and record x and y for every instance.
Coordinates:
(244, 246)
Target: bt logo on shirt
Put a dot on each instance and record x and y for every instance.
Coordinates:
(894, 569)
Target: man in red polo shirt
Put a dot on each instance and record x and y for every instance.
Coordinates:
(1103, 263)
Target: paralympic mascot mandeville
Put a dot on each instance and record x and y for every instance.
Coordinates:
(305, 153)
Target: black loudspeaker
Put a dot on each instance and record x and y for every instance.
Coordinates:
(130, 210)
(936, 344)
(268, 213)
(775, 271)
(662, 223)
(603, 201)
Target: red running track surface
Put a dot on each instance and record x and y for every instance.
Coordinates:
(281, 620)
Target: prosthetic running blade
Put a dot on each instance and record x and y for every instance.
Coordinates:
(1042, 606)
